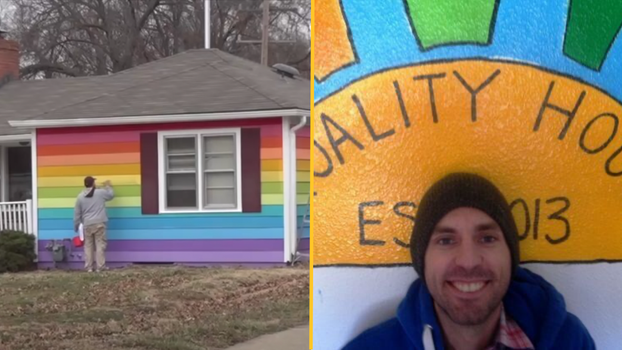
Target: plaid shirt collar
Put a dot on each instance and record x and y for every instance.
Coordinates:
(510, 335)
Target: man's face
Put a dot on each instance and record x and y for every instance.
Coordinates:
(467, 266)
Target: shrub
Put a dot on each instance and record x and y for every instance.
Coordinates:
(17, 251)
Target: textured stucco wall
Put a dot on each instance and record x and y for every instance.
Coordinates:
(526, 93)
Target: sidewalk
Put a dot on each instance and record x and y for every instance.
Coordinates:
(294, 339)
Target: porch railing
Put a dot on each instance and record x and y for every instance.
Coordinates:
(16, 216)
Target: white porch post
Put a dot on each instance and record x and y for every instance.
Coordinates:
(35, 197)
(4, 173)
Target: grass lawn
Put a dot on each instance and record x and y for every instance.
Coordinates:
(155, 308)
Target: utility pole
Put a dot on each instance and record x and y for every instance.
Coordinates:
(208, 24)
(265, 34)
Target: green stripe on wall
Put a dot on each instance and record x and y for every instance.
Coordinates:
(64, 213)
(272, 187)
(303, 187)
(277, 187)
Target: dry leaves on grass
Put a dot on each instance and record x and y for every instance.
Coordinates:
(149, 308)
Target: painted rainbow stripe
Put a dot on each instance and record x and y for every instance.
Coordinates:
(303, 185)
(65, 156)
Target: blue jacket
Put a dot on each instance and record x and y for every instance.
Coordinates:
(531, 301)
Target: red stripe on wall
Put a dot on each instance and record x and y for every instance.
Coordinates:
(166, 126)
(303, 142)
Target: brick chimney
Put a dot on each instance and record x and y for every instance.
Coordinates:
(9, 59)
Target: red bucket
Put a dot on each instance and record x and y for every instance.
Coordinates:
(77, 242)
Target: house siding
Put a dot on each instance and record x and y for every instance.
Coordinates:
(303, 184)
(65, 156)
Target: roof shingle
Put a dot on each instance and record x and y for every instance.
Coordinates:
(195, 81)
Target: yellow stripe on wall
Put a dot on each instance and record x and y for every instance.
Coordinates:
(78, 181)
(272, 199)
(271, 176)
(277, 199)
(71, 202)
(118, 169)
(302, 199)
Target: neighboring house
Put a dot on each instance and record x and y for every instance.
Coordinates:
(208, 154)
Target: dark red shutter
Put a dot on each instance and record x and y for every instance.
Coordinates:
(149, 173)
(251, 170)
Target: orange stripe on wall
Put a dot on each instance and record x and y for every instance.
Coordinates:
(89, 159)
(271, 153)
(90, 148)
(303, 154)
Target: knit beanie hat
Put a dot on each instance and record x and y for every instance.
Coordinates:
(454, 191)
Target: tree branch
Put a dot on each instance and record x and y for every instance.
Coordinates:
(48, 67)
(152, 6)
(307, 56)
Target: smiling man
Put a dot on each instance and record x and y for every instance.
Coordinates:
(471, 293)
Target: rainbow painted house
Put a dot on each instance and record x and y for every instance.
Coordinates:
(208, 154)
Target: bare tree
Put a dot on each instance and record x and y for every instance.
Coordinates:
(96, 37)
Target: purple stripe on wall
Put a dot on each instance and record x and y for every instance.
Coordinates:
(251, 170)
(80, 265)
(177, 257)
(149, 173)
(304, 244)
(186, 245)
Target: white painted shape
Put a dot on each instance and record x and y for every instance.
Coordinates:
(7, 138)
(149, 119)
(347, 300)
(35, 191)
(4, 174)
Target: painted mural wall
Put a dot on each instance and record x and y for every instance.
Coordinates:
(526, 93)
(66, 156)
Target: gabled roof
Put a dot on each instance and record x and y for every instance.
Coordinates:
(201, 81)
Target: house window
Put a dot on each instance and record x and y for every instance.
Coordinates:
(200, 171)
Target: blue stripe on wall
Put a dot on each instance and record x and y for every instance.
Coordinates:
(166, 222)
(302, 209)
(120, 234)
(266, 210)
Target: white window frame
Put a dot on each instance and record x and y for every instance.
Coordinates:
(198, 134)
